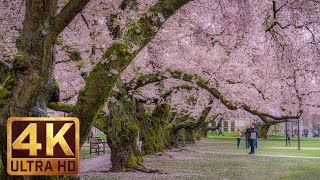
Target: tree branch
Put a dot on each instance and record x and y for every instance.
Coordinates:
(65, 16)
(63, 107)
(214, 91)
(213, 128)
(104, 75)
(4, 70)
(270, 121)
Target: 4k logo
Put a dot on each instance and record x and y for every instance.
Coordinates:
(43, 146)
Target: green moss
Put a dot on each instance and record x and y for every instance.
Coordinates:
(139, 160)
(75, 56)
(80, 64)
(176, 74)
(20, 42)
(215, 92)
(132, 126)
(118, 50)
(163, 6)
(154, 133)
(201, 82)
(6, 90)
(56, 84)
(191, 100)
(132, 161)
(186, 86)
(142, 30)
(142, 78)
(113, 25)
(59, 41)
(58, 106)
(132, 4)
(112, 19)
(232, 103)
(169, 126)
(229, 104)
(167, 7)
(187, 77)
(190, 136)
(21, 57)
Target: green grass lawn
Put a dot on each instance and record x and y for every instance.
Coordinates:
(217, 157)
(102, 136)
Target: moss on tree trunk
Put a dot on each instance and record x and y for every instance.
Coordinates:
(203, 130)
(122, 135)
(152, 130)
(122, 139)
(190, 136)
(263, 130)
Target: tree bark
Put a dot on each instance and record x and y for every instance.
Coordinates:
(152, 131)
(122, 134)
(263, 130)
(190, 137)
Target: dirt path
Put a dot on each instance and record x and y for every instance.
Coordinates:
(94, 165)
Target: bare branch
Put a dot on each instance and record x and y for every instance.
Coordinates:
(85, 20)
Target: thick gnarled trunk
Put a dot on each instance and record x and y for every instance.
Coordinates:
(190, 137)
(122, 135)
(28, 86)
(263, 130)
(152, 131)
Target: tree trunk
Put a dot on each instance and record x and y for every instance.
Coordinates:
(122, 140)
(152, 131)
(176, 138)
(203, 132)
(263, 130)
(3, 146)
(122, 134)
(190, 136)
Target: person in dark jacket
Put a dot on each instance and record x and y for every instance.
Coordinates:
(247, 134)
(253, 136)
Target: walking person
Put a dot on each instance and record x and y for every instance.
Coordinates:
(289, 137)
(253, 138)
(220, 132)
(247, 134)
(239, 135)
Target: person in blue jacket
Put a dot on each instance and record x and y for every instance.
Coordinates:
(253, 136)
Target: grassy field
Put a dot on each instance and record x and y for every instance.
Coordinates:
(217, 157)
(275, 145)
